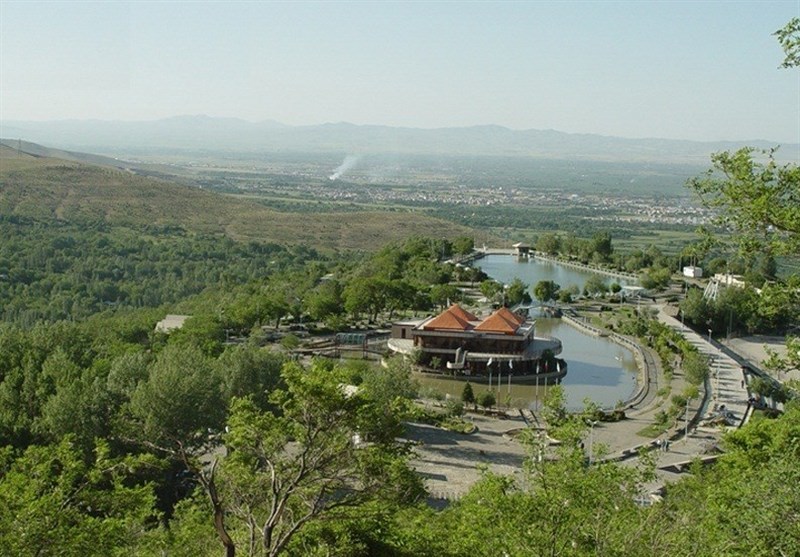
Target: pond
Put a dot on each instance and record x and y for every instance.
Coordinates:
(599, 368)
(506, 268)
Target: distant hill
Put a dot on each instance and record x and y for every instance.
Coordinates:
(14, 148)
(33, 184)
(204, 132)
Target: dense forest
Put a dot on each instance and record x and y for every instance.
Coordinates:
(51, 271)
(122, 442)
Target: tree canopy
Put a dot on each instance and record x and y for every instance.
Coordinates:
(756, 198)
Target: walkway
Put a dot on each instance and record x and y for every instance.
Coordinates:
(727, 393)
(448, 461)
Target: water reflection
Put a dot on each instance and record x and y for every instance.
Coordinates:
(506, 268)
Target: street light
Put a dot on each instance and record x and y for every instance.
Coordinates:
(686, 432)
(709, 336)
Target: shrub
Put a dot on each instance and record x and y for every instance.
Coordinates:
(454, 408)
(487, 400)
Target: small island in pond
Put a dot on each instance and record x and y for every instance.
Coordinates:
(461, 345)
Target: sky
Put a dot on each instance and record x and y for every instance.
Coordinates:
(693, 70)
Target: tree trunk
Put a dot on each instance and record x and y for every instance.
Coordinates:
(219, 513)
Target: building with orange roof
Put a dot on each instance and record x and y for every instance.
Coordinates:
(460, 343)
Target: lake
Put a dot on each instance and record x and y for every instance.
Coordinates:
(599, 369)
(506, 268)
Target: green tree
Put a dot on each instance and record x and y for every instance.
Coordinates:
(248, 370)
(558, 507)
(205, 332)
(366, 295)
(490, 288)
(127, 371)
(463, 245)
(783, 364)
(656, 279)
(467, 394)
(554, 406)
(55, 502)
(388, 389)
(601, 245)
(82, 407)
(517, 293)
(444, 294)
(546, 290)
(325, 300)
(695, 307)
(180, 401)
(288, 470)
(549, 244)
(789, 39)
(695, 366)
(595, 285)
(274, 306)
(756, 197)
(760, 458)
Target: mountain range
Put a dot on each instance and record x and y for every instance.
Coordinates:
(231, 134)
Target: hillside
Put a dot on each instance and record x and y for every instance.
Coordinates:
(44, 187)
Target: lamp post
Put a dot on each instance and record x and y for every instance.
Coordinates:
(709, 336)
(686, 432)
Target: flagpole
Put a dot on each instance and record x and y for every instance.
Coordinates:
(499, 379)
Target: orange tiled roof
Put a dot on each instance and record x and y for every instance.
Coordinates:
(502, 321)
(448, 319)
(462, 313)
(511, 315)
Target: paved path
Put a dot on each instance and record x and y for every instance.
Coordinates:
(449, 462)
(728, 382)
(752, 349)
(727, 391)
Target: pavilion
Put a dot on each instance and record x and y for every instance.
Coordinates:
(465, 344)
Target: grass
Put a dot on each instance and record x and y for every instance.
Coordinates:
(458, 425)
(55, 189)
(653, 431)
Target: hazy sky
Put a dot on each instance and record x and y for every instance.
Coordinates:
(678, 69)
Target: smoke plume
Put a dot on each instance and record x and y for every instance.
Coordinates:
(349, 162)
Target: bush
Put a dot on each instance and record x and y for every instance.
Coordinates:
(454, 408)
(487, 400)
(290, 341)
(458, 425)
(695, 366)
(430, 392)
